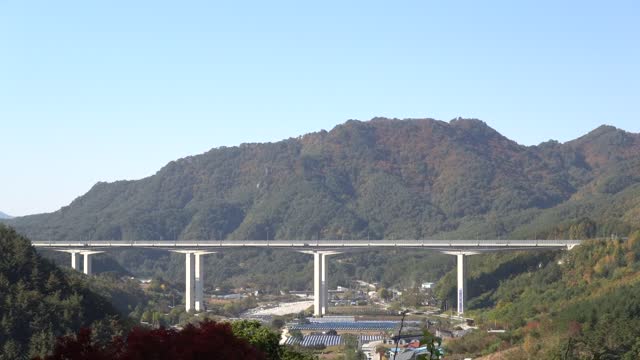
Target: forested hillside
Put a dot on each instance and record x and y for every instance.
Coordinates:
(579, 304)
(582, 304)
(52, 314)
(378, 179)
(39, 302)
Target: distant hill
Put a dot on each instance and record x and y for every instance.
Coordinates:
(4, 216)
(384, 178)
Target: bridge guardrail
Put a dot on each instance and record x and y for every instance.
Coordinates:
(307, 244)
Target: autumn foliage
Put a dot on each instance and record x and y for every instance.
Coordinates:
(208, 340)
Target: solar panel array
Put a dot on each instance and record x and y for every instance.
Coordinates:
(348, 326)
(328, 319)
(328, 340)
(370, 338)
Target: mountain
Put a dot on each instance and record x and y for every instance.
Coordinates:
(384, 178)
(416, 178)
(39, 302)
(4, 216)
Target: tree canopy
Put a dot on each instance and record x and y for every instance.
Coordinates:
(39, 302)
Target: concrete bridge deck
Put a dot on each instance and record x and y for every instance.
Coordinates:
(447, 245)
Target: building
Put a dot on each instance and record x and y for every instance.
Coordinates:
(404, 340)
(329, 340)
(446, 334)
(428, 285)
(369, 349)
(408, 354)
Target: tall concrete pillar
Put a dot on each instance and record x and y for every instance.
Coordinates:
(189, 281)
(320, 281)
(88, 260)
(462, 282)
(75, 260)
(317, 284)
(461, 257)
(324, 306)
(193, 279)
(198, 283)
(88, 263)
(199, 280)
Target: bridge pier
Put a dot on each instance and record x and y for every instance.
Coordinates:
(462, 282)
(87, 259)
(461, 277)
(317, 284)
(199, 280)
(189, 280)
(320, 281)
(324, 282)
(75, 260)
(194, 280)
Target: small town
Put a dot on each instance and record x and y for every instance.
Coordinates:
(375, 322)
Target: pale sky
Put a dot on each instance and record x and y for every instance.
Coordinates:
(99, 91)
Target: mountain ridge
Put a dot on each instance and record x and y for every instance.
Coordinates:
(386, 177)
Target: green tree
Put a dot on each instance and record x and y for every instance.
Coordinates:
(385, 294)
(259, 336)
(296, 334)
(351, 347)
(434, 347)
(290, 354)
(381, 350)
(277, 323)
(39, 301)
(413, 297)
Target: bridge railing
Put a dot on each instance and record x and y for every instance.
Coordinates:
(307, 243)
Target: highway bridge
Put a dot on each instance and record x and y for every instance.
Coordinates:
(320, 249)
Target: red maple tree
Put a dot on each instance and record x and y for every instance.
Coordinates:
(208, 340)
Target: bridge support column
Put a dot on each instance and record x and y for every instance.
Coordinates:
(320, 281)
(189, 280)
(324, 285)
(462, 278)
(75, 260)
(194, 280)
(199, 280)
(88, 261)
(317, 284)
(462, 282)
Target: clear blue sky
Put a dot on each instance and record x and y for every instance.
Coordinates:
(105, 90)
